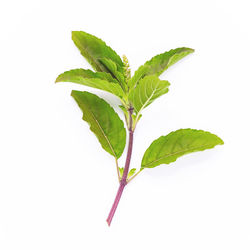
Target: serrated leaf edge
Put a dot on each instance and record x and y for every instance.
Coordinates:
(182, 151)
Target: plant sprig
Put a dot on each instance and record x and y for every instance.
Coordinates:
(112, 74)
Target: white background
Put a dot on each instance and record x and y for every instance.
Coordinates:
(57, 184)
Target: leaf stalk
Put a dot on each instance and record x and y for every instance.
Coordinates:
(132, 177)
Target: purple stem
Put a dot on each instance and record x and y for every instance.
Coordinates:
(123, 181)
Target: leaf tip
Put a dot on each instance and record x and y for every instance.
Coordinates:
(221, 142)
(73, 33)
(74, 92)
(57, 79)
(191, 50)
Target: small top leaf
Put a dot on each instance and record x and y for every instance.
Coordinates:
(121, 170)
(103, 120)
(148, 89)
(93, 48)
(167, 149)
(131, 172)
(113, 70)
(158, 64)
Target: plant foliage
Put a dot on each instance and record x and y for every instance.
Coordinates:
(112, 74)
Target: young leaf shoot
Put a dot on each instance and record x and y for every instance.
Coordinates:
(112, 74)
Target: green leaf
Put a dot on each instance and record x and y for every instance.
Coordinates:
(99, 80)
(121, 170)
(103, 120)
(86, 73)
(112, 68)
(158, 64)
(131, 172)
(139, 74)
(148, 89)
(167, 149)
(93, 48)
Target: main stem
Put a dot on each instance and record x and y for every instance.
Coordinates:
(123, 181)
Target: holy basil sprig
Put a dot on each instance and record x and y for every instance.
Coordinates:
(112, 74)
